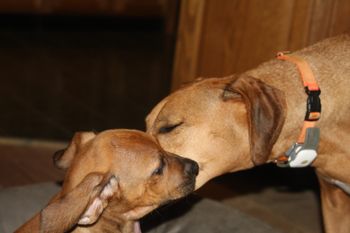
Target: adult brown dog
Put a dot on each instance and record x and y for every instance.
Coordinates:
(237, 122)
(113, 179)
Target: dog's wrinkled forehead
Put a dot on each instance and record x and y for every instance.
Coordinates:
(188, 101)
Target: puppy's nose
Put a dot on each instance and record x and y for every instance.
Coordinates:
(191, 167)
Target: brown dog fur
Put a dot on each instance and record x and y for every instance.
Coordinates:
(236, 122)
(113, 179)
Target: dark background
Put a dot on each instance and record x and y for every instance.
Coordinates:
(65, 73)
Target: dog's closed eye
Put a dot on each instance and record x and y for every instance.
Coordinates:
(168, 128)
(159, 170)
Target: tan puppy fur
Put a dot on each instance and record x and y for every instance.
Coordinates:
(236, 122)
(113, 179)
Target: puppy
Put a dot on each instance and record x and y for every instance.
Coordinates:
(237, 122)
(113, 179)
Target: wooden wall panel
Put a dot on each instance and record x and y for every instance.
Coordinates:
(321, 19)
(239, 33)
(217, 38)
(300, 24)
(340, 17)
(188, 41)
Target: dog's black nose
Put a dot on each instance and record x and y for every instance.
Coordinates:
(191, 167)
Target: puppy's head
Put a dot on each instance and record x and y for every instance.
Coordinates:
(138, 175)
(225, 124)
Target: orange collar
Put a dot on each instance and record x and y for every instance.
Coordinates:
(313, 91)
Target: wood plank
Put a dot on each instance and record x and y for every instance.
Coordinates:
(240, 34)
(300, 26)
(26, 162)
(321, 20)
(341, 20)
(188, 41)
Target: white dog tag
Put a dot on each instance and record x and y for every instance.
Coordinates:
(303, 157)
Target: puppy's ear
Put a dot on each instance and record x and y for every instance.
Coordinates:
(64, 211)
(265, 108)
(110, 189)
(63, 158)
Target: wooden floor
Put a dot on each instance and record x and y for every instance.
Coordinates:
(25, 162)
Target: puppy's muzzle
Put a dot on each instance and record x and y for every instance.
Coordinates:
(191, 168)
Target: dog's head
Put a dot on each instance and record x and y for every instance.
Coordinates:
(225, 124)
(138, 175)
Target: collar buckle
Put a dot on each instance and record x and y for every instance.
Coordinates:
(313, 106)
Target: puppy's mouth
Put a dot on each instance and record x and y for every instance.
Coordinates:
(189, 186)
(186, 187)
(191, 171)
(181, 191)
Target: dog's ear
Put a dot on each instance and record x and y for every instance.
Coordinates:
(64, 211)
(63, 158)
(265, 109)
(110, 189)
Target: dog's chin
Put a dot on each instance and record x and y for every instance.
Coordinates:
(189, 188)
(186, 188)
(180, 192)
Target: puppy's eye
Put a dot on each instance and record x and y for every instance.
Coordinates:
(168, 128)
(159, 170)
